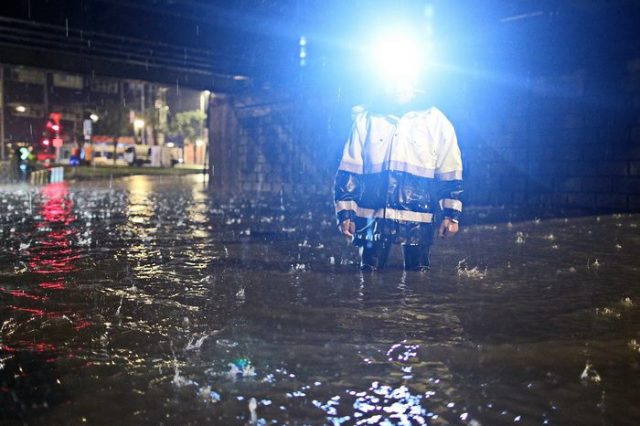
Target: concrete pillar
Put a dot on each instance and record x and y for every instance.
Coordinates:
(221, 148)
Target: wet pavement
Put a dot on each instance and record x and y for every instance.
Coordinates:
(148, 301)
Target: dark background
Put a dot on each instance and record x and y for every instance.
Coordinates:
(259, 38)
(545, 95)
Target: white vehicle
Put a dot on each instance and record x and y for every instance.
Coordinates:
(103, 154)
(137, 155)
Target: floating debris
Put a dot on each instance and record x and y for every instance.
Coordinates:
(519, 238)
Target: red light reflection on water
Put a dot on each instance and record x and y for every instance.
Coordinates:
(30, 346)
(54, 252)
(32, 311)
(53, 285)
(52, 255)
(22, 293)
(58, 208)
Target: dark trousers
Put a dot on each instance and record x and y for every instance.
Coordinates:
(373, 256)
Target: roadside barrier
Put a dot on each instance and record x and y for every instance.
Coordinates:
(57, 174)
(52, 175)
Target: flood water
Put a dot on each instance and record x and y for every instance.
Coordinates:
(149, 301)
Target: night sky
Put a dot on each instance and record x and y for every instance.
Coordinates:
(259, 38)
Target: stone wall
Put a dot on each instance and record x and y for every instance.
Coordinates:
(563, 140)
(568, 141)
(258, 145)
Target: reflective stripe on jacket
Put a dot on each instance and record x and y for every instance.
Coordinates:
(400, 168)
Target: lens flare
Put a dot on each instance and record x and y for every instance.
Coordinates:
(398, 59)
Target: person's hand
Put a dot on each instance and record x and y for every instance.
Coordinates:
(448, 228)
(347, 228)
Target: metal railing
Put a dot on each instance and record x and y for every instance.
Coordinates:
(44, 176)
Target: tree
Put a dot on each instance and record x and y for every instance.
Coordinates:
(152, 119)
(188, 124)
(114, 122)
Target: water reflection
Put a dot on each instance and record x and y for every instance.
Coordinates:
(30, 381)
(52, 251)
(177, 307)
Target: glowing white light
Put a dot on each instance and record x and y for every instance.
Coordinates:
(303, 51)
(399, 59)
(170, 144)
(199, 142)
(94, 117)
(138, 123)
(21, 108)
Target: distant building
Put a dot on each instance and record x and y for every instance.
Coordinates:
(29, 95)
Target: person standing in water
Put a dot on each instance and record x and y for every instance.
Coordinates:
(401, 168)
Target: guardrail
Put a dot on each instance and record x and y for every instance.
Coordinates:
(52, 175)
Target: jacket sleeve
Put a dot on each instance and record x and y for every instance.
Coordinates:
(449, 172)
(348, 181)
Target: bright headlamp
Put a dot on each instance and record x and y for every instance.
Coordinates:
(398, 60)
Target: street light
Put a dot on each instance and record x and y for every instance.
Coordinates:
(21, 108)
(94, 117)
(138, 124)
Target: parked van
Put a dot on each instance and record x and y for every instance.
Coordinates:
(103, 154)
(137, 155)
